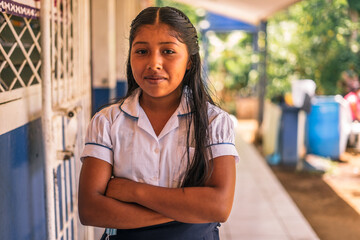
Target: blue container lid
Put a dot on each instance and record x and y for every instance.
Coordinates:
(323, 99)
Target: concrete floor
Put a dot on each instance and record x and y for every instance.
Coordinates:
(262, 209)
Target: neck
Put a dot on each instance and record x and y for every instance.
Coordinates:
(160, 105)
(159, 110)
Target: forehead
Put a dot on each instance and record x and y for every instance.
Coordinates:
(156, 32)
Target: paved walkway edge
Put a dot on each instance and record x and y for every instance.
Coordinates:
(262, 208)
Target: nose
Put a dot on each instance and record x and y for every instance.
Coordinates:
(155, 62)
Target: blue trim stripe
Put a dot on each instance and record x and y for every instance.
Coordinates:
(91, 143)
(127, 114)
(220, 144)
(184, 114)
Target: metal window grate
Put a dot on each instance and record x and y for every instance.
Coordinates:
(19, 52)
(65, 216)
(64, 85)
(62, 55)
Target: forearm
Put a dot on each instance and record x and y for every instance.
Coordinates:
(191, 205)
(102, 211)
(96, 209)
(211, 203)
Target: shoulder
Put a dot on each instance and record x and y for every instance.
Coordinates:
(108, 114)
(221, 133)
(220, 122)
(216, 113)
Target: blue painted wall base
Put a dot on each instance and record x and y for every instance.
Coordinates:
(101, 97)
(121, 88)
(22, 198)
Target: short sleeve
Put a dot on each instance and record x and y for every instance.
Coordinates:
(98, 142)
(222, 136)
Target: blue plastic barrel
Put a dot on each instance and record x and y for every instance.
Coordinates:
(323, 128)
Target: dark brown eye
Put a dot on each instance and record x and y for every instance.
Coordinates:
(141, 51)
(168, 51)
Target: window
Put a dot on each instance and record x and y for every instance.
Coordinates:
(19, 52)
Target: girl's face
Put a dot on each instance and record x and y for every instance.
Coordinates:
(158, 61)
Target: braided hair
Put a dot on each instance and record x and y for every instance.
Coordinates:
(199, 169)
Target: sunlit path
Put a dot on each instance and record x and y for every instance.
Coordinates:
(262, 208)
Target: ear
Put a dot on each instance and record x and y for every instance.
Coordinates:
(188, 66)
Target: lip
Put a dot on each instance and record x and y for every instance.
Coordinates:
(154, 78)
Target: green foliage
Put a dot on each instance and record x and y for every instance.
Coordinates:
(313, 39)
(230, 61)
(354, 4)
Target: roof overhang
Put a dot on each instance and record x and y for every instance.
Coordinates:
(250, 11)
(221, 23)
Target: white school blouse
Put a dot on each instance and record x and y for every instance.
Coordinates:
(122, 135)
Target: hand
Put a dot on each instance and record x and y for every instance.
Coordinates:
(121, 189)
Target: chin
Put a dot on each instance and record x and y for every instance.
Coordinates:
(154, 93)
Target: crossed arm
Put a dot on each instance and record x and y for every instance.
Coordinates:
(122, 203)
(96, 209)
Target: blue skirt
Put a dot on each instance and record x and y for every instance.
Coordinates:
(169, 231)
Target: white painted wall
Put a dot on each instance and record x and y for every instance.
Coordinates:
(126, 11)
(103, 43)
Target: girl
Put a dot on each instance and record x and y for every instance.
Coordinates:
(170, 150)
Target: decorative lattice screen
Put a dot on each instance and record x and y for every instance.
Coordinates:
(19, 52)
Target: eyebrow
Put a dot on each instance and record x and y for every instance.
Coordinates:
(162, 43)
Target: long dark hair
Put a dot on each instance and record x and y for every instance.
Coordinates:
(199, 170)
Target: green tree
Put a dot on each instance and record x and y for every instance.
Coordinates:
(230, 61)
(311, 40)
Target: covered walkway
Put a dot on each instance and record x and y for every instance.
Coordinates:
(262, 208)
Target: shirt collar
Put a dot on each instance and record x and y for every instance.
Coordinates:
(131, 106)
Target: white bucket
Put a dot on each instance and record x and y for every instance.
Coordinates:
(301, 87)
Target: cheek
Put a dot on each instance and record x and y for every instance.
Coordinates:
(181, 69)
(136, 69)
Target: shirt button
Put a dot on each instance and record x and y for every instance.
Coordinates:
(157, 150)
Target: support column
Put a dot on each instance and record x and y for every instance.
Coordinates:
(126, 11)
(262, 44)
(103, 52)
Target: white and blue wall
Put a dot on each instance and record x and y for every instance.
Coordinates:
(103, 52)
(22, 199)
(110, 30)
